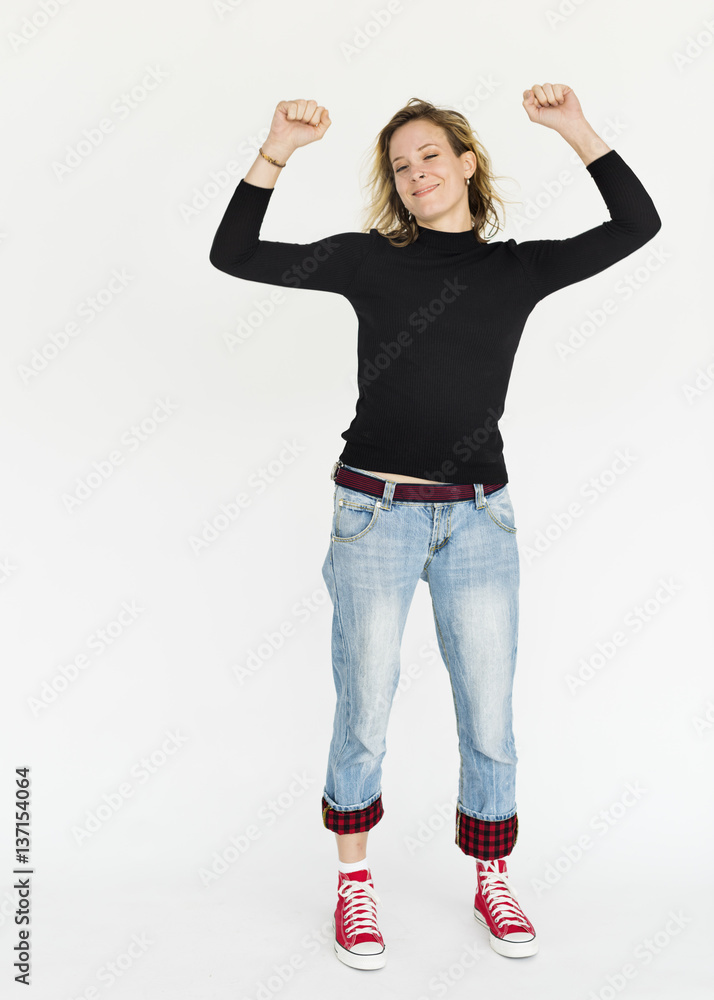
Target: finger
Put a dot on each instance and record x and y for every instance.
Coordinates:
(548, 89)
(317, 115)
(558, 91)
(539, 95)
(309, 112)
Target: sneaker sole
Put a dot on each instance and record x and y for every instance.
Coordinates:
(509, 949)
(377, 961)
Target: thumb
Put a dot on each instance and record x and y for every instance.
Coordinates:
(529, 104)
(324, 123)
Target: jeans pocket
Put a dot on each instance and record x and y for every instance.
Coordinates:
(500, 509)
(355, 514)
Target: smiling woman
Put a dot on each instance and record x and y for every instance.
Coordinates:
(432, 171)
(425, 156)
(441, 310)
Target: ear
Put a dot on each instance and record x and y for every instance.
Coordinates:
(470, 163)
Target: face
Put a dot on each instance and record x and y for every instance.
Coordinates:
(430, 179)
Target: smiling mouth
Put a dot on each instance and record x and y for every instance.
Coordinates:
(423, 191)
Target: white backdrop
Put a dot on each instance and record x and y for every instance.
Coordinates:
(174, 701)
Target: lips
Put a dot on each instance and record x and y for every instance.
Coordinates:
(423, 191)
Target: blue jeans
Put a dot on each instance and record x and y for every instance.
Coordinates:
(467, 553)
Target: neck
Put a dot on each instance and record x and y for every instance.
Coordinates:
(442, 240)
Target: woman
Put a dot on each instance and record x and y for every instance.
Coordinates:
(421, 485)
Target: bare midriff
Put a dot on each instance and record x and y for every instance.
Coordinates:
(395, 478)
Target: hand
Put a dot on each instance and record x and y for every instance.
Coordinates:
(296, 123)
(553, 105)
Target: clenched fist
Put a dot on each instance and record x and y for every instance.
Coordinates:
(296, 123)
(553, 105)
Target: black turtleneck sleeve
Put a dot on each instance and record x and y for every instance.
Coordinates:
(553, 264)
(327, 265)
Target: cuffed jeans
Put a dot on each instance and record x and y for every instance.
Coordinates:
(467, 553)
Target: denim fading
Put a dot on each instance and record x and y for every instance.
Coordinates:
(466, 551)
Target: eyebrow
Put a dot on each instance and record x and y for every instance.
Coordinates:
(420, 148)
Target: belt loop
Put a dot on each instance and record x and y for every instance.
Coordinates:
(479, 496)
(389, 488)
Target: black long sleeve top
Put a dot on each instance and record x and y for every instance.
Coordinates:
(439, 320)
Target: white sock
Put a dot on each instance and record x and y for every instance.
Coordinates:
(352, 866)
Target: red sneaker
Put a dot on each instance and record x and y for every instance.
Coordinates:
(495, 907)
(358, 941)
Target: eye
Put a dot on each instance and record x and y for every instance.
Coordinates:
(428, 157)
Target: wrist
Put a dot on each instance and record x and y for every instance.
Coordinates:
(273, 149)
(585, 141)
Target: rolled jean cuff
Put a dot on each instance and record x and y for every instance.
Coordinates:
(352, 820)
(481, 838)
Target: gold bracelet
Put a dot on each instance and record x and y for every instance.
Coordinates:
(270, 159)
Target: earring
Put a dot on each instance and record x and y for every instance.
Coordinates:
(410, 216)
(468, 180)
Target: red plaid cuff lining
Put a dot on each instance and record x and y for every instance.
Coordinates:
(352, 821)
(482, 838)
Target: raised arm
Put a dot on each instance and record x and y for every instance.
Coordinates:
(329, 264)
(553, 264)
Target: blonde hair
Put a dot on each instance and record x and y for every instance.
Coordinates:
(385, 210)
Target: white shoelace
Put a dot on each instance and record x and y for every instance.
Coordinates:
(360, 909)
(501, 899)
